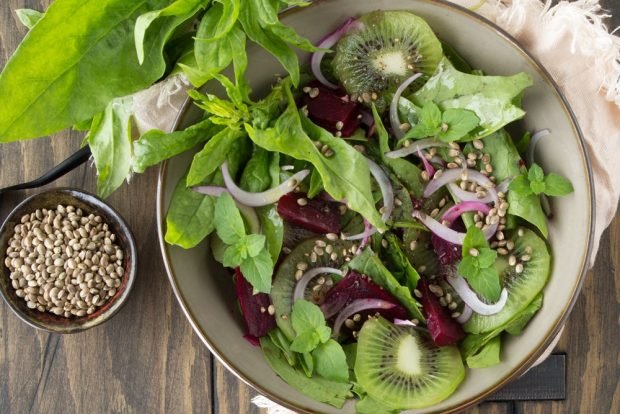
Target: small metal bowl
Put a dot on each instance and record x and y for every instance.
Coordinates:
(89, 204)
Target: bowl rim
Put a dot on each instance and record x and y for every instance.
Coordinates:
(117, 304)
(550, 334)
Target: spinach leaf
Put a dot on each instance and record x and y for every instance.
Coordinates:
(190, 216)
(317, 387)
(29, 17)
(330, 361)
(213, 155)
(256, 175)
(110, 142)
(398, 264)
(272, 226)
(345, 175)
(51, 91)
(182, 9)
(494, 99)
(156, 146)
(218, 20)
(369, 264)
(487, 356)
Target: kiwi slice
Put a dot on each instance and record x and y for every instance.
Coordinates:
(522, 287)
(285, 281)
(385, 49)
(402, 368)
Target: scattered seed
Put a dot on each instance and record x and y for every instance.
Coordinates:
(502, 251)
(271, 310)
(313, 93)
(474, 252)
(520, 232)
(455, 315)
(332, 236)
(478, 144)
(417, 293)
(519, 268)
(526, 258)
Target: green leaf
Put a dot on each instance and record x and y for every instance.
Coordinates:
(180, 8)
(156, 146)
(51, 91)
(527, 206)
(218, 20)
(272, 226)
(29, 17)
(256, 175)
(306, 316)
(430, 116)
(254, 243)
(224, 111)
(305, 341)
(474, 239)
(368, 405)
(488, 356)
(258, 270)
(214, 52)
(491, 98)
(267, 40)
(521, 185)
(316, 184)
(535, 173)
(317, 387)
(459, 123)
(520, 320)
(110, 142)
(228, 222)
(213, 155)
(324, 333)
(307, 363)
(468, 267)
(235, 254)
(398, 264)
(190, 217)
(486, 257)
(538, 187)
(505, 158)
(557, 186)
(368, 263)
(479, 268)
(291, 37)
(345, 175)
(283, 344)
(331, 362)
(486, 283)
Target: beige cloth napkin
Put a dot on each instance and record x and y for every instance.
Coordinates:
(572, 42)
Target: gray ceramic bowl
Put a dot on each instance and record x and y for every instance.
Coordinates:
(89, 204)
(206, 294)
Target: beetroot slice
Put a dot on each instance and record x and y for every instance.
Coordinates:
(443, 328)
(315, 215)
(356, 286)
(330, 107)
(448, 253)
(258, 323)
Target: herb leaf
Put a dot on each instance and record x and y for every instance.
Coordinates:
(557, 186)
(258, 270)
(213, 155)
(306, 316)
(478, 265)
(457, 123)
(331, 362)
(228, 222)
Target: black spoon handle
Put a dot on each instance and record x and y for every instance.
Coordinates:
(75, 160)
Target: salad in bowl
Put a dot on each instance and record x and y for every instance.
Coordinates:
(384, 231)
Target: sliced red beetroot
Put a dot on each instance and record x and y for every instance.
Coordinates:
(356, 286)
(330, 107)
(448, 253)
(314, 214)
(443, 328)
(254, 308)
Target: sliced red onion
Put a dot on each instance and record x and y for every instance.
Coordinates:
(503, 186)
(248, 212)
(394, 119)
(427, 165)
(529, 156)
(326, 43)
(471, 299)
(445, 232)
(387, 192)
(415, 147)
(465, 314)
(266, 197)
(310, 274)
(368, 232)
(358, 306)
(404, 322)
(457, 210)
(452, 175)
(464, 195)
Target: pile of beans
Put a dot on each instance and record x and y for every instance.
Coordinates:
(64, 262)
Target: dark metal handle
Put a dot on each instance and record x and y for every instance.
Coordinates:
(75, 160)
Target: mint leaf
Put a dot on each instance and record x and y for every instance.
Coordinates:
(234, 255)
(486, 257)
(305, 342)
(325, 333)
(521, 185)
(557, 186)
(258, 270)
(468, 267)
(228, 222)
(474, 239)
(486, 283)
(331, 362)
(538, 187)
(535, 173)
(456, 123)
(430, 115)
(307, 363)
(254, 244)
(306, 316)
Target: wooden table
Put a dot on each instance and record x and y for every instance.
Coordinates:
(147, 359)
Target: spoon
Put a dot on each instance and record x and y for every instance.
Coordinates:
(75, 160)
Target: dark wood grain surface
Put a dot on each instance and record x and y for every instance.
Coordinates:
(148, 360)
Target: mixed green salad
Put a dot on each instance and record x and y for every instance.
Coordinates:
(384, 228)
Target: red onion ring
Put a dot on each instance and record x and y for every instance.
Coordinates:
(446, 232)
(415, 147)
(452, 175)
(465, 314)
(536, 136)
(326, 43)
(457, 210)
(266, 197)
(357, 306)
(310, 274)
(427, 165)
(394, 119)
(503, 186)
(471, 299)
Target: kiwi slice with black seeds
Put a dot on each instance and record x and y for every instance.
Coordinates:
(385, 49)
(523, 287)
(307, 255)
(402, 368)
